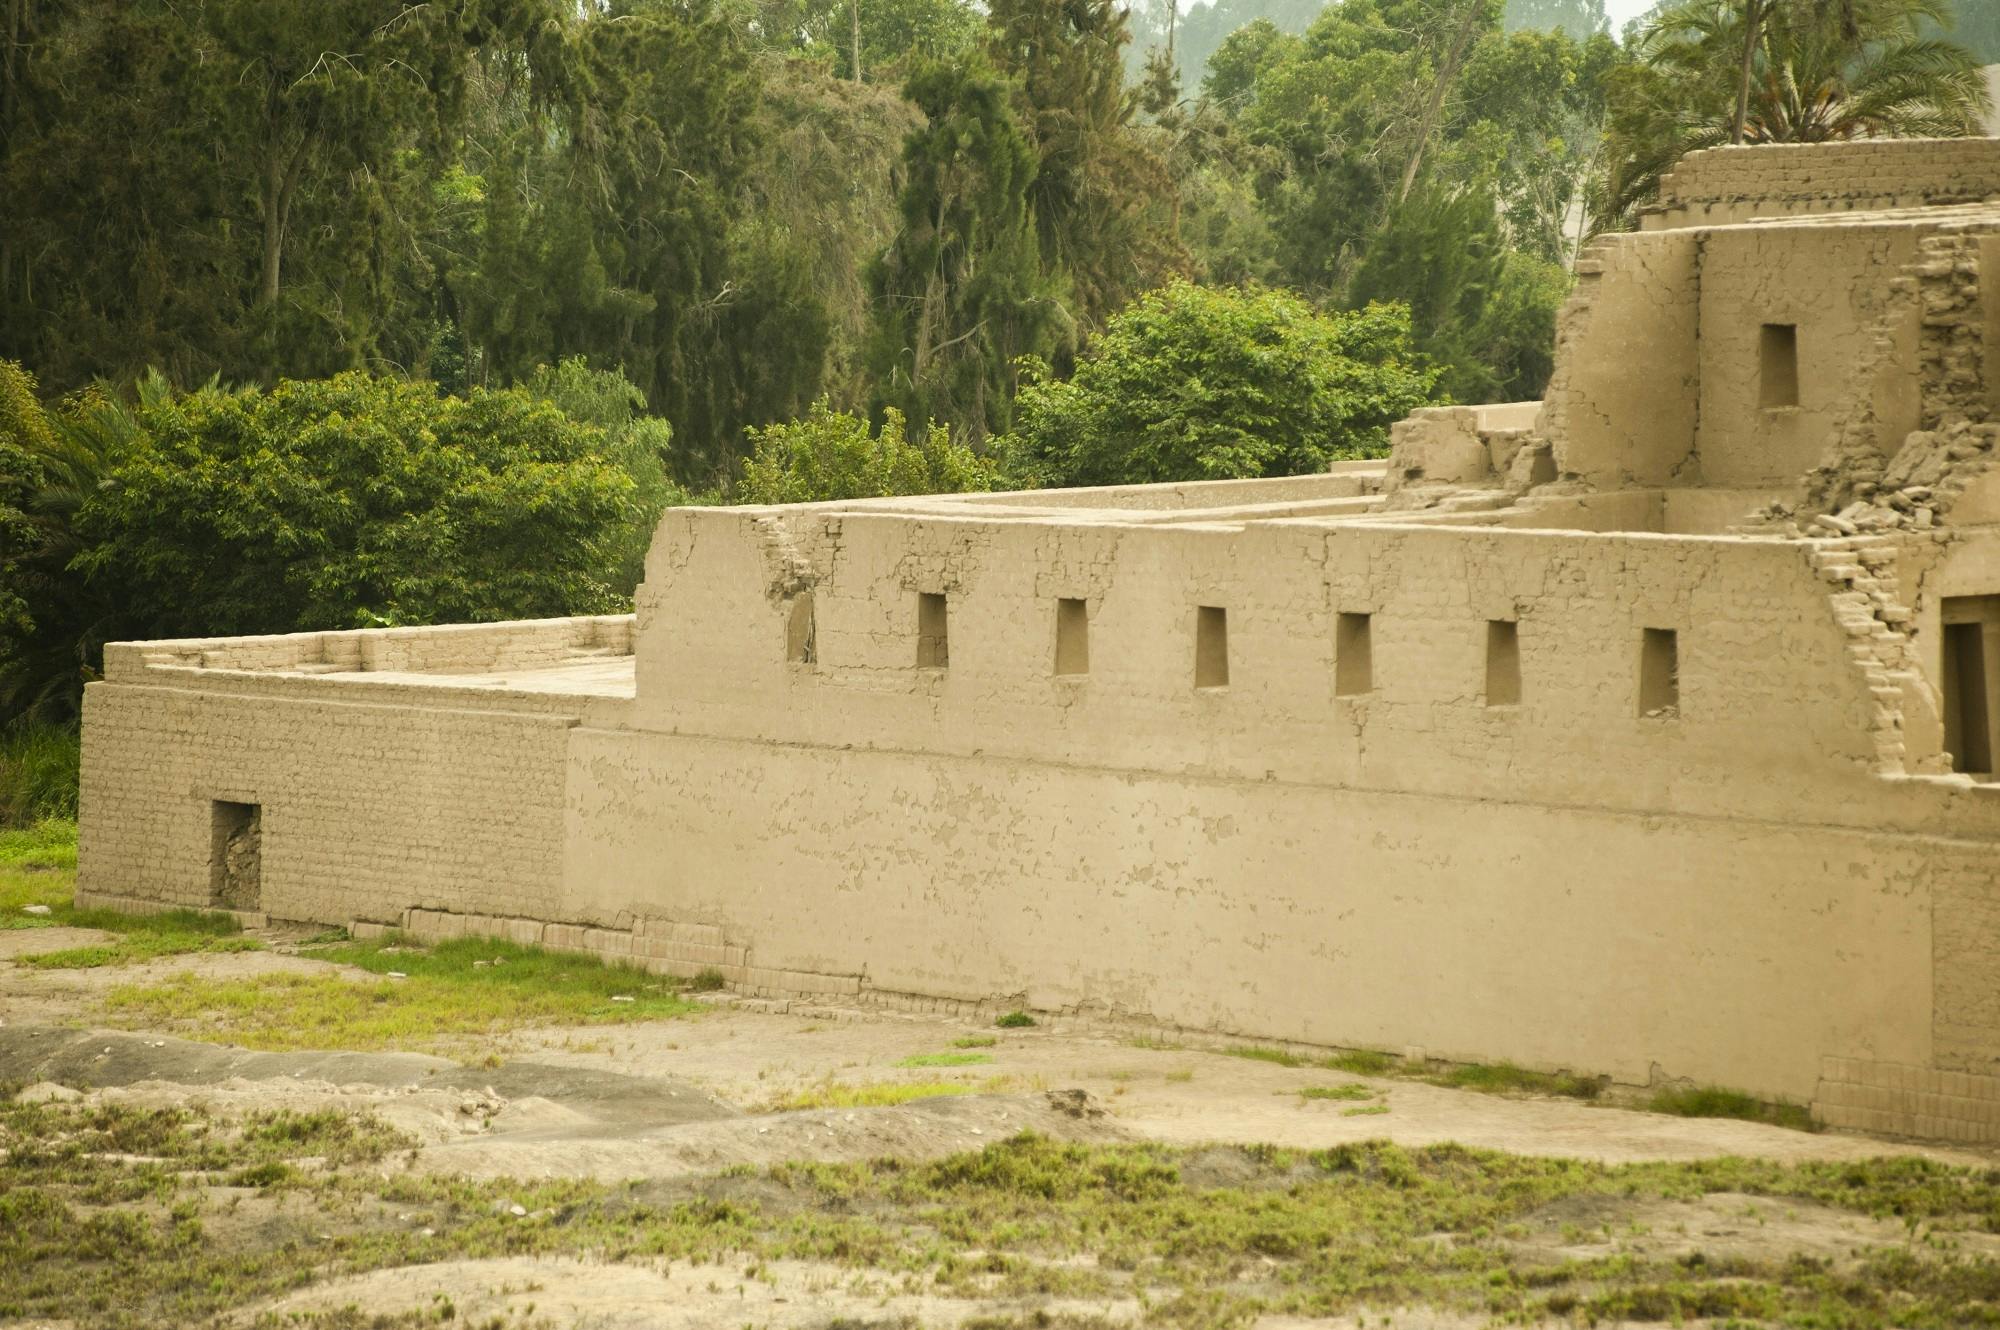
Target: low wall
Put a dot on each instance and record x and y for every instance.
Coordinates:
(1719, 186)
(366, 808)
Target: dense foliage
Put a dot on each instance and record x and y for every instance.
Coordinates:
(334, 503)
(1193, 383)
(834, 455)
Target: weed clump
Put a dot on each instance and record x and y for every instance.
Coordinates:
(1709, 1101)
(944, 1060)
(708, 981)
(1015, 1020)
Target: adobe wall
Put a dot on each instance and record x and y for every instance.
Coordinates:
(1722, 186)
(375, 796)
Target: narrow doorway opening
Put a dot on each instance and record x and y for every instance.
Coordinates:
(1971, 652)
(236, 856)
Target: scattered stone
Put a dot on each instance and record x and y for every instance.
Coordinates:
(620, 997)
(36, 910)
(397, 974)
(47, 1092)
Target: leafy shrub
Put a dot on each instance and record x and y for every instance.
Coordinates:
(1196, 383)
(833, 455)
(353, 501)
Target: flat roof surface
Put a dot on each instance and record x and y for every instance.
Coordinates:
(605, 676)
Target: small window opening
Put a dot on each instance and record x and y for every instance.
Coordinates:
(1353, 656)
(235, 863)
(1211, 647)
(933, 644)
(1659, 673)
(1778, 362)
(800, 648)
(1503, 663)
(1971, 645)
(1072, 636)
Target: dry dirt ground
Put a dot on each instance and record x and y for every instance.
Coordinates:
(689, 1100)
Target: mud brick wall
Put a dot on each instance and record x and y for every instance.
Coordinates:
(1734, 184)
(366, 809)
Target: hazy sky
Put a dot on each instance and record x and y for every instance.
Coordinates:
(1622, 10)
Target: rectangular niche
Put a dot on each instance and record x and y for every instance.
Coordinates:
(1211, 647)
(933, 635)
(1503, 663)
(1778, 365)
(1072, 637)
(236, 855)
(1659, 673)
(1353, 656)
(801, 648)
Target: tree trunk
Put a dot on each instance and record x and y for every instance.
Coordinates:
(1446, 73)
(1753, 13)
(854, 14)
(281, 185)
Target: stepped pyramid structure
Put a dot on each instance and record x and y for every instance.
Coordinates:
(1650, 730)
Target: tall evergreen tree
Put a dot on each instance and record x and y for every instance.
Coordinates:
(1099, 188)
(959, 295)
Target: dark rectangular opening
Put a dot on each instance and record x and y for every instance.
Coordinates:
(933, 640)
(1353, 656)
(1659, 673)
(1967, 725)
(800, 646)
(1211, 647)
(1778, 365)
(1503, 663)
(1072, 636)
(236, 856)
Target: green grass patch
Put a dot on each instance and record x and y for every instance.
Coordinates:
(1710, 1101)
(37, 867)
(414, 997)
(1368, 1111)
(1351, 1090)
(1015, 1020)
(114, 1217)
(1363, 1062)
(975, 1041)
(1506, 1078)
(39, 766)
(945, 1060)
(1276, 1056)
(871, 1094)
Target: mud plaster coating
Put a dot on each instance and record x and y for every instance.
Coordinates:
(1783, 885)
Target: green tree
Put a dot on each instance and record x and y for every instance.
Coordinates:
(959, 293)
(1484, 313)
(231, 186)
(1198, 383)
(1097, 185)
(834, 455)
(351, 501)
